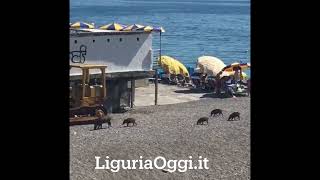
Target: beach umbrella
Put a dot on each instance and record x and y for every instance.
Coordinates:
(173, 66)
(113, 26)
(231, 73)
(146, 28)
(81, 25)
(133, 27)
(210, 65)
(229, 69)
(150, 28)
(243, 66)
(158, 29)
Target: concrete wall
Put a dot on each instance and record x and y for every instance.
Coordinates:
(132, 53)
(142, 82)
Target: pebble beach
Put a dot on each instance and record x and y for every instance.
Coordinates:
(168, 130)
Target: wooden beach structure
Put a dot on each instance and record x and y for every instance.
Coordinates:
(80, 97)
(92, 99)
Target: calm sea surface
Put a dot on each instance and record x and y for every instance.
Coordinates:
(217, 28)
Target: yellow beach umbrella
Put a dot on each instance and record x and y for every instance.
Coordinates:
(173, 66)
(231, 73)
(243, 66)
(229, 69)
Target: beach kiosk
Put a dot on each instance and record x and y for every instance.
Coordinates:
(127, 54)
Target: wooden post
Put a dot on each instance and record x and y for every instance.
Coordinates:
(156, 77)
(84, 75)
(129, 93)
(133, 86)
(87, 76)
(104, 91)
(156, 87)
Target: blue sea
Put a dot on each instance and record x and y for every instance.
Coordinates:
(219, 28)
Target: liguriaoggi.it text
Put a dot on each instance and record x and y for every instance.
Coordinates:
(157, 163)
